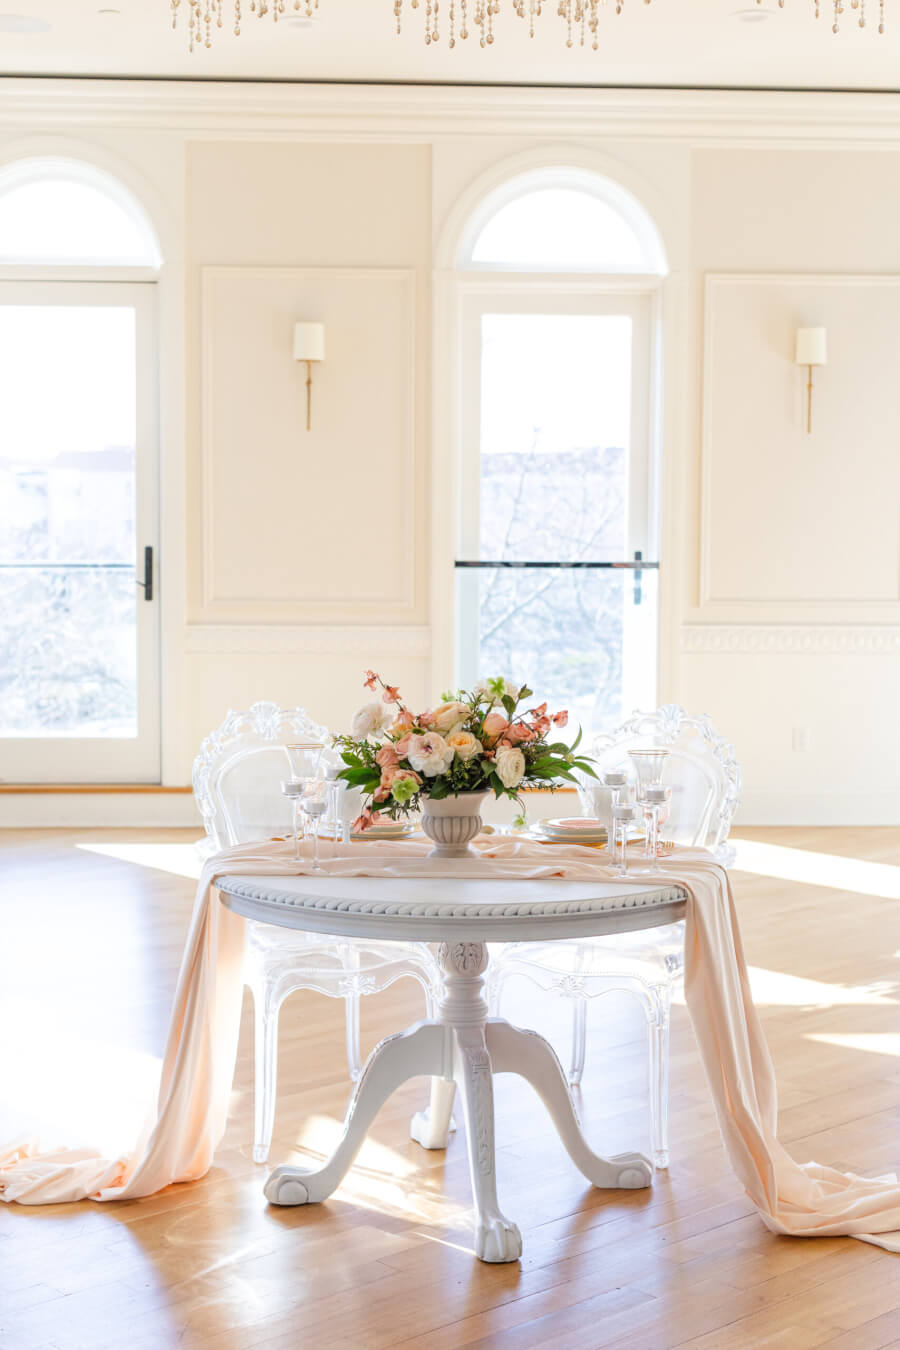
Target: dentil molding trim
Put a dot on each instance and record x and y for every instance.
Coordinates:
(716, 639)
(264, 639)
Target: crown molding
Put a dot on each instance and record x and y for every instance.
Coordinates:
(790, 639)
(422, 113)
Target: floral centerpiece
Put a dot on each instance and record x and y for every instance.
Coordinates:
(472, 743)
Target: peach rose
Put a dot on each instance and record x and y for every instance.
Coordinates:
(465, 745)
(495, 725)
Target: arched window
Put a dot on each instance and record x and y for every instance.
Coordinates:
(57, 211)
(79, 688)
(562, 220)
(559, 271)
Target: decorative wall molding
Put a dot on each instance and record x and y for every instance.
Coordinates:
(275, 639)
(416, 113)
(298, 609)
(713, 639)
(717, 286)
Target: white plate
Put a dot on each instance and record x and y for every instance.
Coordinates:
(592, 831)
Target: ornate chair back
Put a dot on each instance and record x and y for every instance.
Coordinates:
(701, 770)
(238, 773)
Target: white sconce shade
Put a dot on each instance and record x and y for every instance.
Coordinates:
(811, 348)
(309, 342)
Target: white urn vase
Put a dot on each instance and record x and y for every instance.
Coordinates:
(451, 822)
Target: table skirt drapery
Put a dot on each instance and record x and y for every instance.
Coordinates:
(178, 1143)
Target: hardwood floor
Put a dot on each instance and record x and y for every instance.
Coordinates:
(91, 928)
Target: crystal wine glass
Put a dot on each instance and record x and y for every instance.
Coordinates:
(649, 765)
(304, 758)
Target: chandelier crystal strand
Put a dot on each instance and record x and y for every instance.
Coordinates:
(581, 17)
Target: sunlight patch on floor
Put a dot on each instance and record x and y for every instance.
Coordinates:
(180, 860)
(875, 1042)
(380, 1178)
(778, 989)
(817, 869)
(71, 1088)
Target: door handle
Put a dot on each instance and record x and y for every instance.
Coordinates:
(147, 583)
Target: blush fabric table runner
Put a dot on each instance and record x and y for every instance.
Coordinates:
(802, 1200)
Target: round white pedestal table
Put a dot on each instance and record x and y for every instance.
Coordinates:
(461, 1048)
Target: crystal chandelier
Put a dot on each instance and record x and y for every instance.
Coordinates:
(464, 17)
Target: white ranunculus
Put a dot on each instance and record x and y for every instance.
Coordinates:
(448, 714)
(429, 754)
(510, 765)
(465, 745)
(369, 720)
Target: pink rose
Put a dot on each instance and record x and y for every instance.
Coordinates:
(387, 757)
(518, 732)
(401, 747)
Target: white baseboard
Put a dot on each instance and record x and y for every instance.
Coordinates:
(825, 808)
(97, 810)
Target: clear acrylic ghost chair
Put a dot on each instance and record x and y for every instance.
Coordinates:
(706, 781)
(237, 786)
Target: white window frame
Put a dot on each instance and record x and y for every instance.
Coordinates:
(86, 759)
(635, 297)
(152, 292)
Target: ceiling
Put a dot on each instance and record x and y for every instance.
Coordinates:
(699, 43)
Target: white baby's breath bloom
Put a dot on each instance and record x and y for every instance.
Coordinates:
(510, 766)
(448, 714)
(464, 745)
(369, 720)
(429, 754)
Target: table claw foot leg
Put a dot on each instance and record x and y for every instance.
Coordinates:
(528, 1054)
(497, 1240)
(631, 1171)
(285, 1187)
(407, 1055)
(431, 1128)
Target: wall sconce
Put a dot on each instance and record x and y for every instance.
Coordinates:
(810, 351)
(309, 346)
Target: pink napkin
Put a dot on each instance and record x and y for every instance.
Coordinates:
(807, 1200)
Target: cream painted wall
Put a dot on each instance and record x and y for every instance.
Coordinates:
(800, 534)
(245, 185)
(337, 518)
